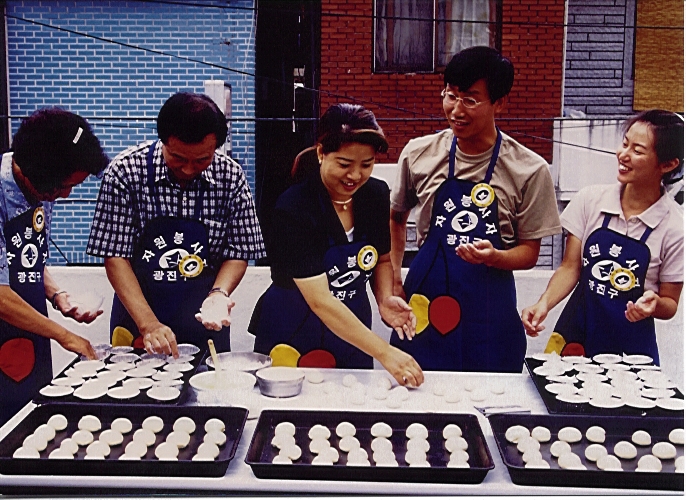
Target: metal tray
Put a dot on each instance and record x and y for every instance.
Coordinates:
(261, 452)
(142, 398)
(556, 406)
(617, 429)
(149, 465)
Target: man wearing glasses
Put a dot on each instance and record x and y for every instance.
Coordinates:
(483, 202)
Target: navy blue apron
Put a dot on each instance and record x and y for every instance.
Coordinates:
(283, 316)
(171, 265)
(613, 271)
(25, 359)
(473, 323)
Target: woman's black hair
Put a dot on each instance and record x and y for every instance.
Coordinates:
(475, 63)
(190, 118)
(52, 144)
(341, 124)
(668, 134)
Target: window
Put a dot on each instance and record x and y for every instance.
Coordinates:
(422, 35)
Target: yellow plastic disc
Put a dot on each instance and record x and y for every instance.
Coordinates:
(121, 337)
(420, 308)
(284, 355)
(556, 343)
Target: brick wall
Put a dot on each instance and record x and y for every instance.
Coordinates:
(536, 51)
(599, 65)
(94, 78)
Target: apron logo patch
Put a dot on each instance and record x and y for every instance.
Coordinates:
(173, 258)
(29, 256)
(622, 279)
(603, 270)
(345, 279)
(464, 221)
(191, 266)
(483, 195)
(38, 219)
(367, 257)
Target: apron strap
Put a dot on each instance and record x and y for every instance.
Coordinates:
(150, 167)
(491, 164)
(646, 233)
(606, 220)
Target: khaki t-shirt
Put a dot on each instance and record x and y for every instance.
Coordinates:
(527, 208)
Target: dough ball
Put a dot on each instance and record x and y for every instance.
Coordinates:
(348, 443)
(384, 382)
(280, 440)
(345, 429)
(319, 431)
(381, 429)
(145, 436)
(286, 428)
(451, 430)
(528, 443)
(394, 401)
(322, 460)
(641, 438)
(314, 376)
(35, 441)
(625, 450)
(664, 450)
(349, 380)
(595, 434)
(460, 455)
(153, 423)
(293, 452)
(418, 444)
(111, 437)
(98, 448)
(541, 434)
(515, 433)
(69, 445)
(438, 390)
(318, 445)
(382, 445)
(45, 431)
(330, 387)
(58, 422)
(469, 384)
(82, 437)
(185, 424)
(679, 464)
(330, 453)
(569, 434)
(61, 453)
(207, 458)
(609, 463)
(358, 398)
(559, 448)
(478, 395)
(649, 463)
(26, 452)
(180, 439)
(379, 393)
(167, 451)
(208, 450)
(541, 464)
(677, 436)
(90, 423)
(415, 456)
(136, 449)
(122, 425)
(358, 455)
(570, 460)
(453, 395)
(385, 459)
(401, 392)
(532, 456)
(417, 430)
(595, 452)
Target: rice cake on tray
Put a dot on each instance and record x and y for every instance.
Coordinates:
(115, 380)
(595, 469)
(628, 398)
(389, 464)
(232, 420)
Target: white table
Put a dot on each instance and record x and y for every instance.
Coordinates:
(519, 389)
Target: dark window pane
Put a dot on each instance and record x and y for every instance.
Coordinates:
(452, 37)
(404, 43)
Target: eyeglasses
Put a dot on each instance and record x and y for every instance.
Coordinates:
(467, 102)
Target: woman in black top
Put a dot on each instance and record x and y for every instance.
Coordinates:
(330, 235)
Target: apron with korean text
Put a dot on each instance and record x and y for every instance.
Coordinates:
(171, 265)
(25, 358)
(286, 328)
(613, 271)
(467, 316)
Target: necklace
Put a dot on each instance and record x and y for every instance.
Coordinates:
(344, 203)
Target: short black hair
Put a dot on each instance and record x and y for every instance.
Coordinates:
(668, 133)
(190, 118)
(475, 63)
(52, 144)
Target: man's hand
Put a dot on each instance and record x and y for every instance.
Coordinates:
(399, 316)
(643, 308)
(73, 310)
(533, 317)
(75, 343)
(159, 339)
(215, 312)
(479, 252)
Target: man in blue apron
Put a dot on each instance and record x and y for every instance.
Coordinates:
(52, 151)
(175, 221)
(482, 204)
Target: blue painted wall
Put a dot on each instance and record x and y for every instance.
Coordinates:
(101, 80)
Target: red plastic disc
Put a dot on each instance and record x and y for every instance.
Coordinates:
(319, 358)
(573, 349)
(444, 314)
(17, 358)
